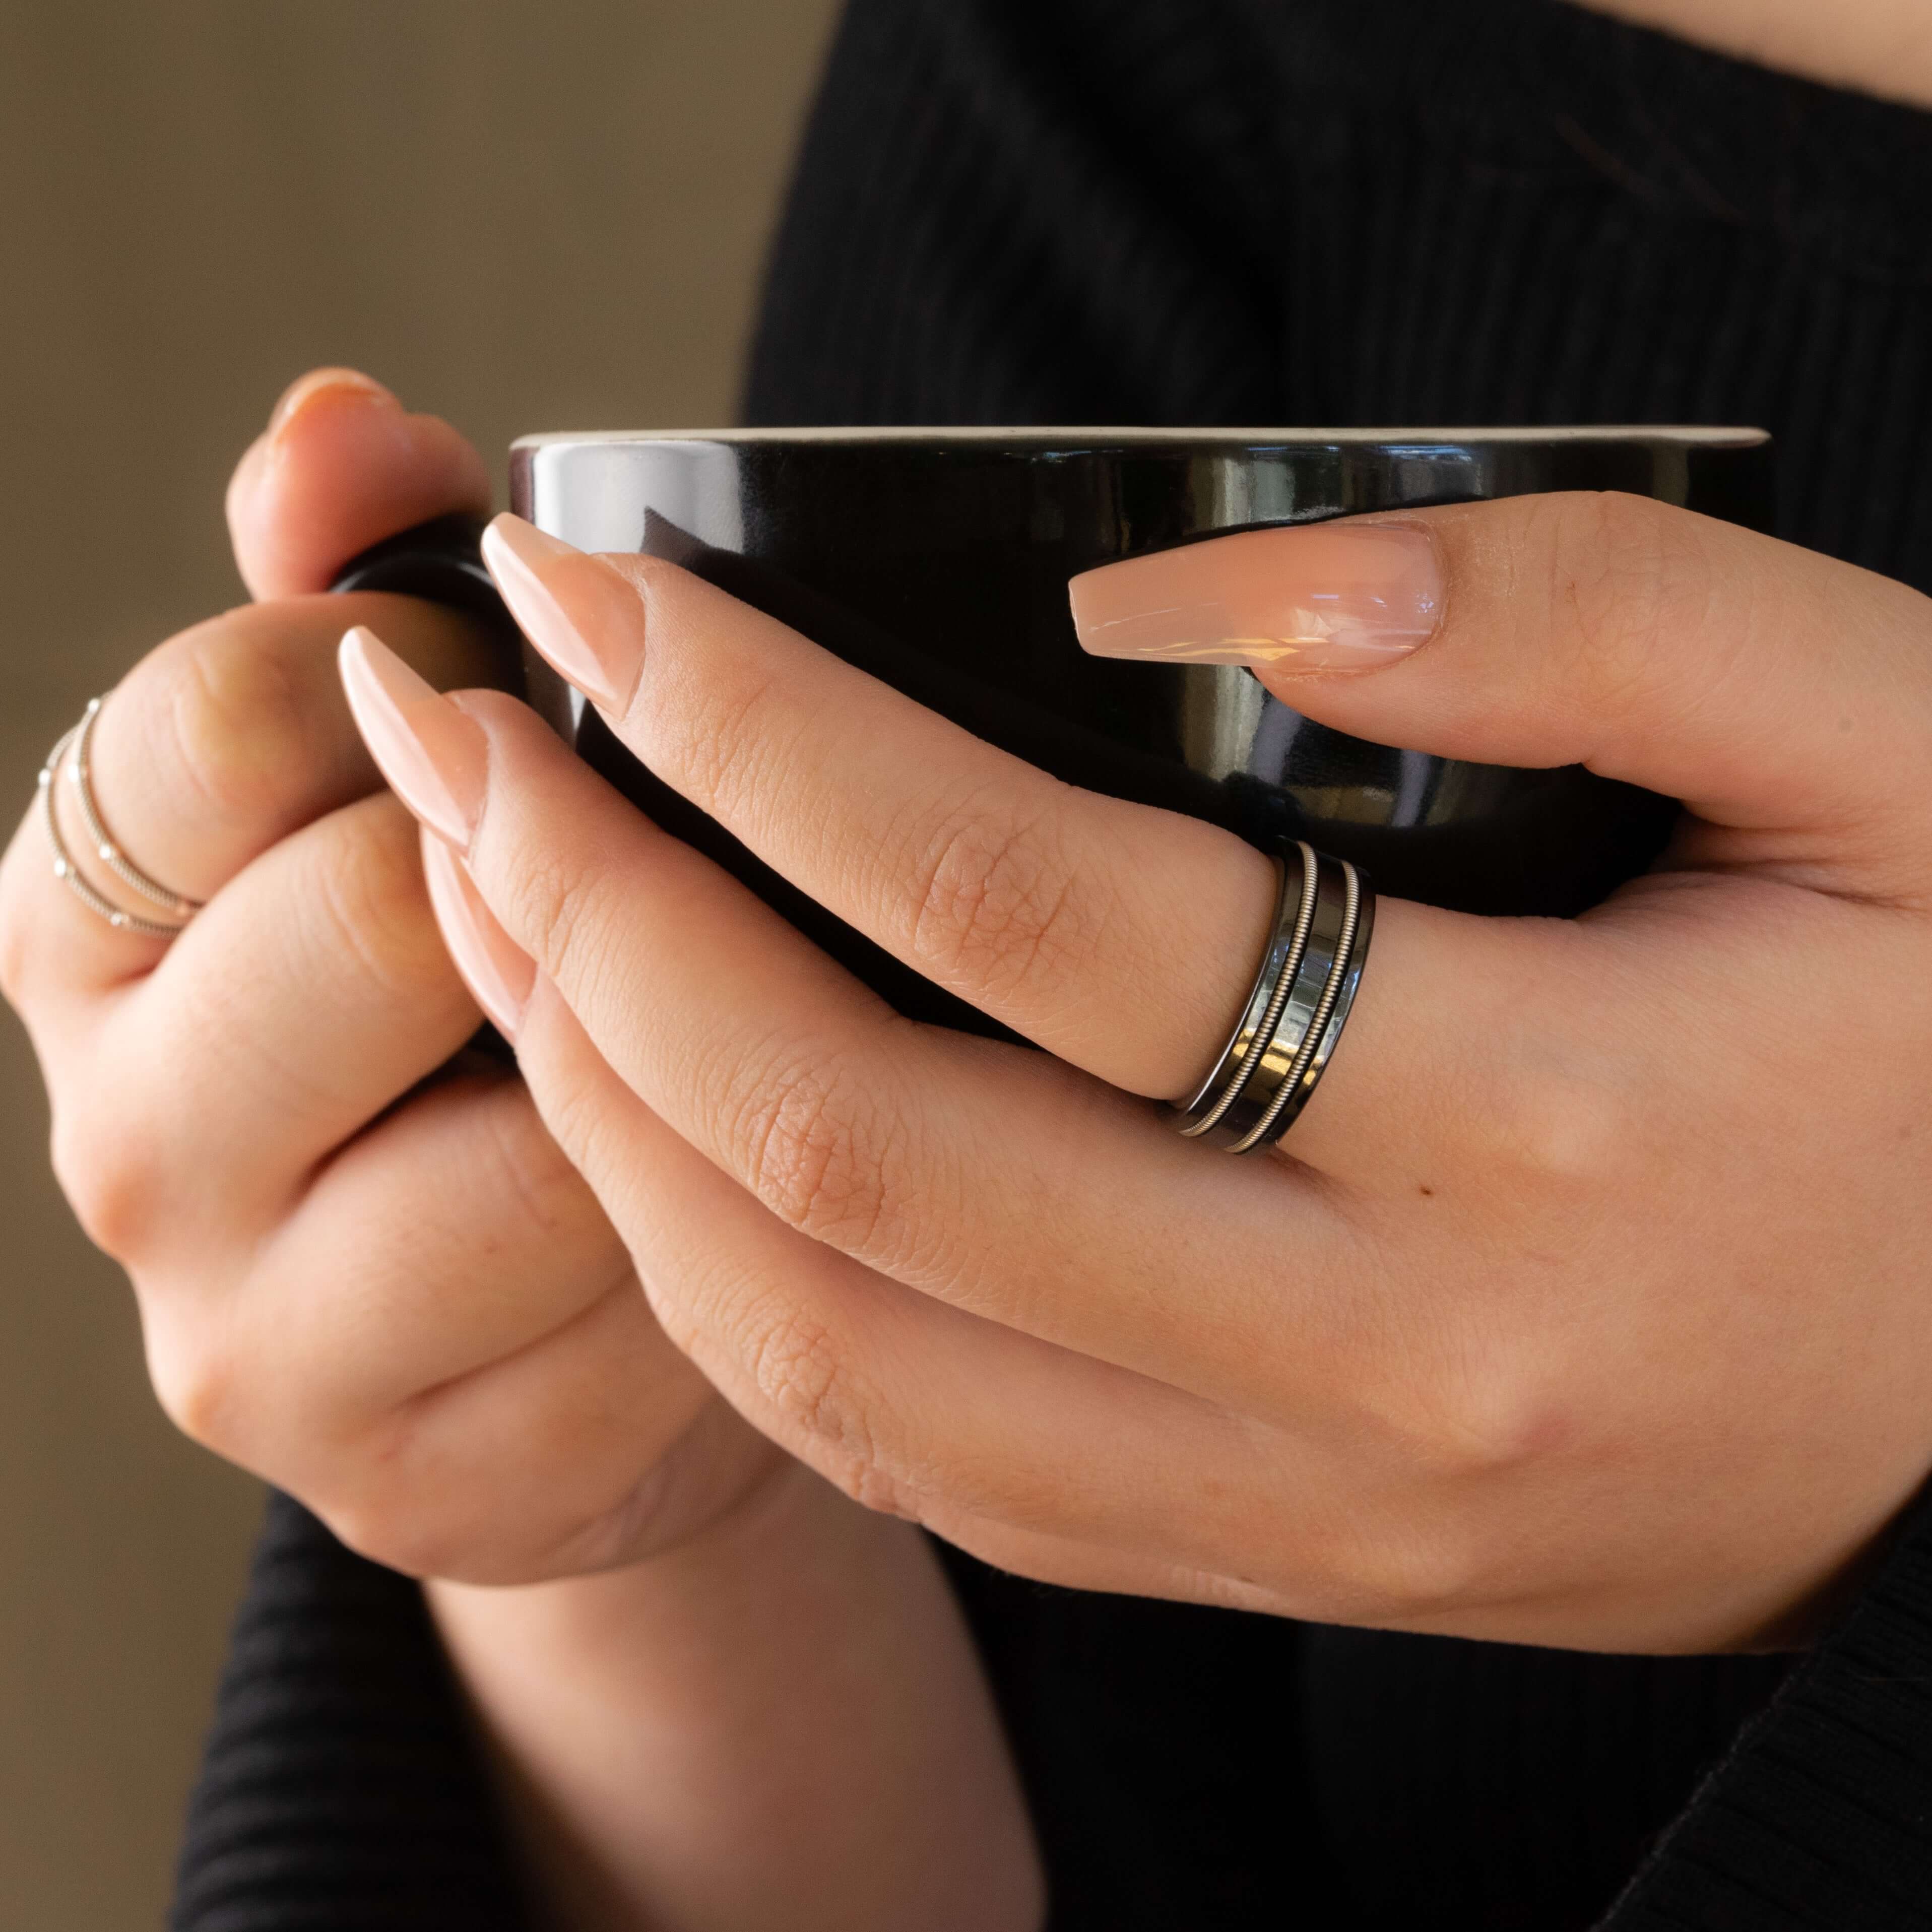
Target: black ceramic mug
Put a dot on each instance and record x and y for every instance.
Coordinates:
(938, 561)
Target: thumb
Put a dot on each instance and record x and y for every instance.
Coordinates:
(1785, 697)
(340, 466)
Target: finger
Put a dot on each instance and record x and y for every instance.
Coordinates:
(549, 1463)
(1052, 909)
(598, 1446)
(218, 744)
(235, 733)
(873, 1135)
(1046, 1460)
(444, 1347)
(341, 467)
(1785, 697)
(313, 993)
(1122, 939)
(476, 1239)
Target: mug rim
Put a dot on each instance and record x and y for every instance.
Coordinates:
(1100, 437)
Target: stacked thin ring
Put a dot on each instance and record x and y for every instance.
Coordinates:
(107, 847)
(1281, 1045)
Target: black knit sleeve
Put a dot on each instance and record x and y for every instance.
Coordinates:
(1819, 1818)
(340, 1789)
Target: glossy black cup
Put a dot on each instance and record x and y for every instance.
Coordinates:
(938, 561)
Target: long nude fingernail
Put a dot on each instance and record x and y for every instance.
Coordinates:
(1314, 597)
(498, 972)
(436, 760)
(583, 617)
(304, 389)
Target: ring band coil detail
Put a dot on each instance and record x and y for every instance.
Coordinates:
(78, 742)
(1287, 942)
(1282, 1043)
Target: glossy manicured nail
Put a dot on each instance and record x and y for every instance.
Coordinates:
(436, 760)
(1336, 596)
(304, 389)
(498, 972)
(583, 617)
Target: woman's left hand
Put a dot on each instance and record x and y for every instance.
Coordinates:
(1585, 1305)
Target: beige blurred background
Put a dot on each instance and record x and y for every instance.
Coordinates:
(522, 216)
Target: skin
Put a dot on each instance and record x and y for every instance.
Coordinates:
(1524, 1424)
(366, 1272)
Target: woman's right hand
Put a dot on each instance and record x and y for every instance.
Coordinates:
(369, 1277)
(368, 1274)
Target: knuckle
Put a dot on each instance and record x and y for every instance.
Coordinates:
(196, 1381)
(114, 1179)
(237, 723)
(796, 1366)
(1632, 575)
(1496, 1410)
(815, 1148)
(1566, 1132)
(1460, 1435)
(996, 902)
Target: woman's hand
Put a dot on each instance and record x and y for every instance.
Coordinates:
(370, 1275)
(377, 1284)
(1585, 1305)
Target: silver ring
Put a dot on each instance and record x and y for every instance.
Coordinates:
(107, 847)
(1262, 1014)
(1302, 992)
(69, 873)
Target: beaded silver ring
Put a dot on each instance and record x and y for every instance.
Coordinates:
(79, 740)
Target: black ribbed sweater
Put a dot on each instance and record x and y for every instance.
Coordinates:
(1282, 211)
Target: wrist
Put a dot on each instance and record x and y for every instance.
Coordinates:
(779, 1720)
